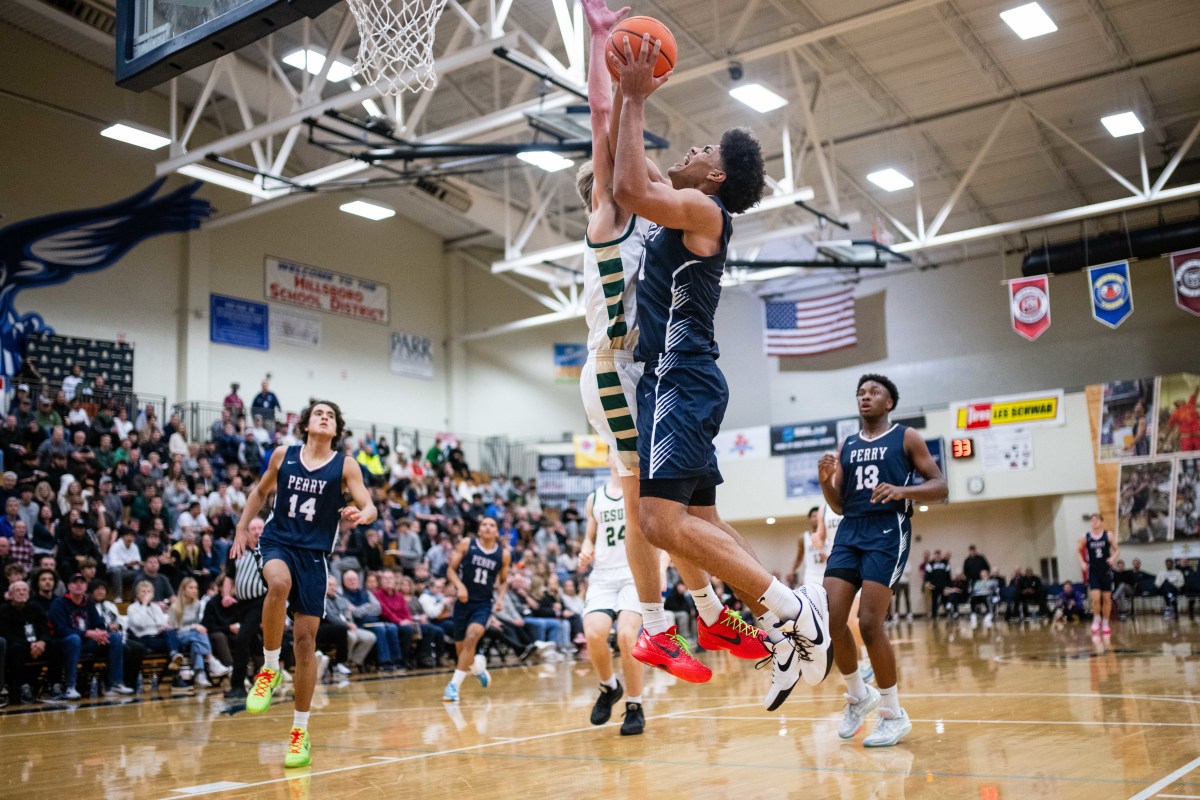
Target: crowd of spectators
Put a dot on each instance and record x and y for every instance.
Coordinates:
(115, 536)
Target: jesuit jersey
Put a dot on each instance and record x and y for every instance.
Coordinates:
(308, 503)
(866, 463)
(610, 532)
(609, 284)
(478, 571)
(678, 293)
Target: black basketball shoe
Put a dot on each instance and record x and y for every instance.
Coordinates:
(602, 711)
(635, 720)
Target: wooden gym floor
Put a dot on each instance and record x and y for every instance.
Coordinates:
(1004, 712)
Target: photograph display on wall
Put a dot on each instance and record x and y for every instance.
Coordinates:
(1187, 504)
(1127, 419)
(1144, 501)
(1178, 419)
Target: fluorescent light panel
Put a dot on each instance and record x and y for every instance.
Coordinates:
(758, 97)
(132, 134)
(551, 162)
(219, 178)
(370, 105)
(890, 180)
(1124, 124)
(1028, 21)
(362, 208)
(313, 61)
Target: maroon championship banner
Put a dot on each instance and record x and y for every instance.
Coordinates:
(1029, 304)
(1185, 276)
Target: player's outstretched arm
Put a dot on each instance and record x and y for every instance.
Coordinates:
(362, 511)
(502, 581)
(1082, 551)
(932, 490)
(256, 498)
(456, 557)
(600, 100)
(588, 550)
(829, 473)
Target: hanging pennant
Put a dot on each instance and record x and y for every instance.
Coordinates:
(1112, 293)
(1185, 276)
(1029, 301)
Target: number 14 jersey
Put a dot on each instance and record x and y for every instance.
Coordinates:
(866, 463)
(308, 503)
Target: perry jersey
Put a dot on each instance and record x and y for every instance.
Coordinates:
(609, 514)
(478, 571)
(866, 463)
(308, 503)
(678, 293)
(609, 288)
(1098, 553)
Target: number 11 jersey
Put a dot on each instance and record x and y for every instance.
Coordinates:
(866, 463)
(308, 503)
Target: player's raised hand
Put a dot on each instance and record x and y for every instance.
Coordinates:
(637, 72)
(885, 492)
(243, 540)
(599, 17)
(827, 467)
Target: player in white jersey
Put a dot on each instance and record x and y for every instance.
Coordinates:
(608, 383)
(810, 554)
(611, 596)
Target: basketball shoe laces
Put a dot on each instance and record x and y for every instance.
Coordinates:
(297, 739)
(734, 620)
(262, 682)
(802, 646)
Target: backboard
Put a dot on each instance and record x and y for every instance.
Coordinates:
(160, 39)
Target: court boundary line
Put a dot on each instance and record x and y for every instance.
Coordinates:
(1166, 781)
(948, 720)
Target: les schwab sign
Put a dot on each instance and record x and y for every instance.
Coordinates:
(1041, 408)
(324, 290)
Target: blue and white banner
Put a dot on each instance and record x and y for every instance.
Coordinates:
(1112, 293)
(239, 322)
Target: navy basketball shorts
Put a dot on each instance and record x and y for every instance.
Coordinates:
(681, 402)
(309, 569)
(871, 548)
(472, 612)
(1101, 579)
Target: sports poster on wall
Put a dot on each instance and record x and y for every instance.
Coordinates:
(1127, 419)
(1178, 417)
(1187, 499)
(1144, 501)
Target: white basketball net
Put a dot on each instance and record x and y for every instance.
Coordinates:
(395, 50)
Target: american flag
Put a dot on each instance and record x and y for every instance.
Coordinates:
(810, 325)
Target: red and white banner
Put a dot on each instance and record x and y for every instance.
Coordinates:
(1029, 304)
(1185, 276)
(325, 290)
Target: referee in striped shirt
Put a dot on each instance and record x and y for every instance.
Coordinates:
(244, 582)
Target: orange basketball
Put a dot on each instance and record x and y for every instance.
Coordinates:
(634, 27)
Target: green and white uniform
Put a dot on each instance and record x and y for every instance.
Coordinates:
(610, 587)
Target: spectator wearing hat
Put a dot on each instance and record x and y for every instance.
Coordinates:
(47, 418)
(79, 631)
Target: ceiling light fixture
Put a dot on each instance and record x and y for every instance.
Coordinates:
(758, 97)
(1124, 124)
(135, 134)
(770, 520)
(237, 184)
(313, 61)
(372, 211)
(890, 180)
(1028, 21)
(551, 162)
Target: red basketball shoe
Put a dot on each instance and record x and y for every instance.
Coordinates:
(731, 632)
(669, 652)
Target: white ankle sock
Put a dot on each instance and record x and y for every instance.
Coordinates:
(300, 719)
(459, 677)
(637, 699)
(855, 686)
(707, 605)
(611, 683)
(889, 700)
(271, 658)
(781, 600)
(654, 618)
(768, 620)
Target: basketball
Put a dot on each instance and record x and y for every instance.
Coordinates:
(634, 28)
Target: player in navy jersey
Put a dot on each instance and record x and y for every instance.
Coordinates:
(478, 570)
(308, 481)
(869, 482)
(1098, 551)
(682, 394)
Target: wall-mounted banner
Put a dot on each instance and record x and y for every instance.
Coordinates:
(1112, 293)
(568, 362)
(1185, 275)
(324, 290)
(743, 444)
(810, 437)
(243, 323)
(1038, 408)
(1029, 304)
(591, 452)
(290, 327)
(411, 355)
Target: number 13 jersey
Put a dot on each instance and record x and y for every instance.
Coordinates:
(308, 503)
(866, 463)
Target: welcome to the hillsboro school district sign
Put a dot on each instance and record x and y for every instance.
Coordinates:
(324, 290)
